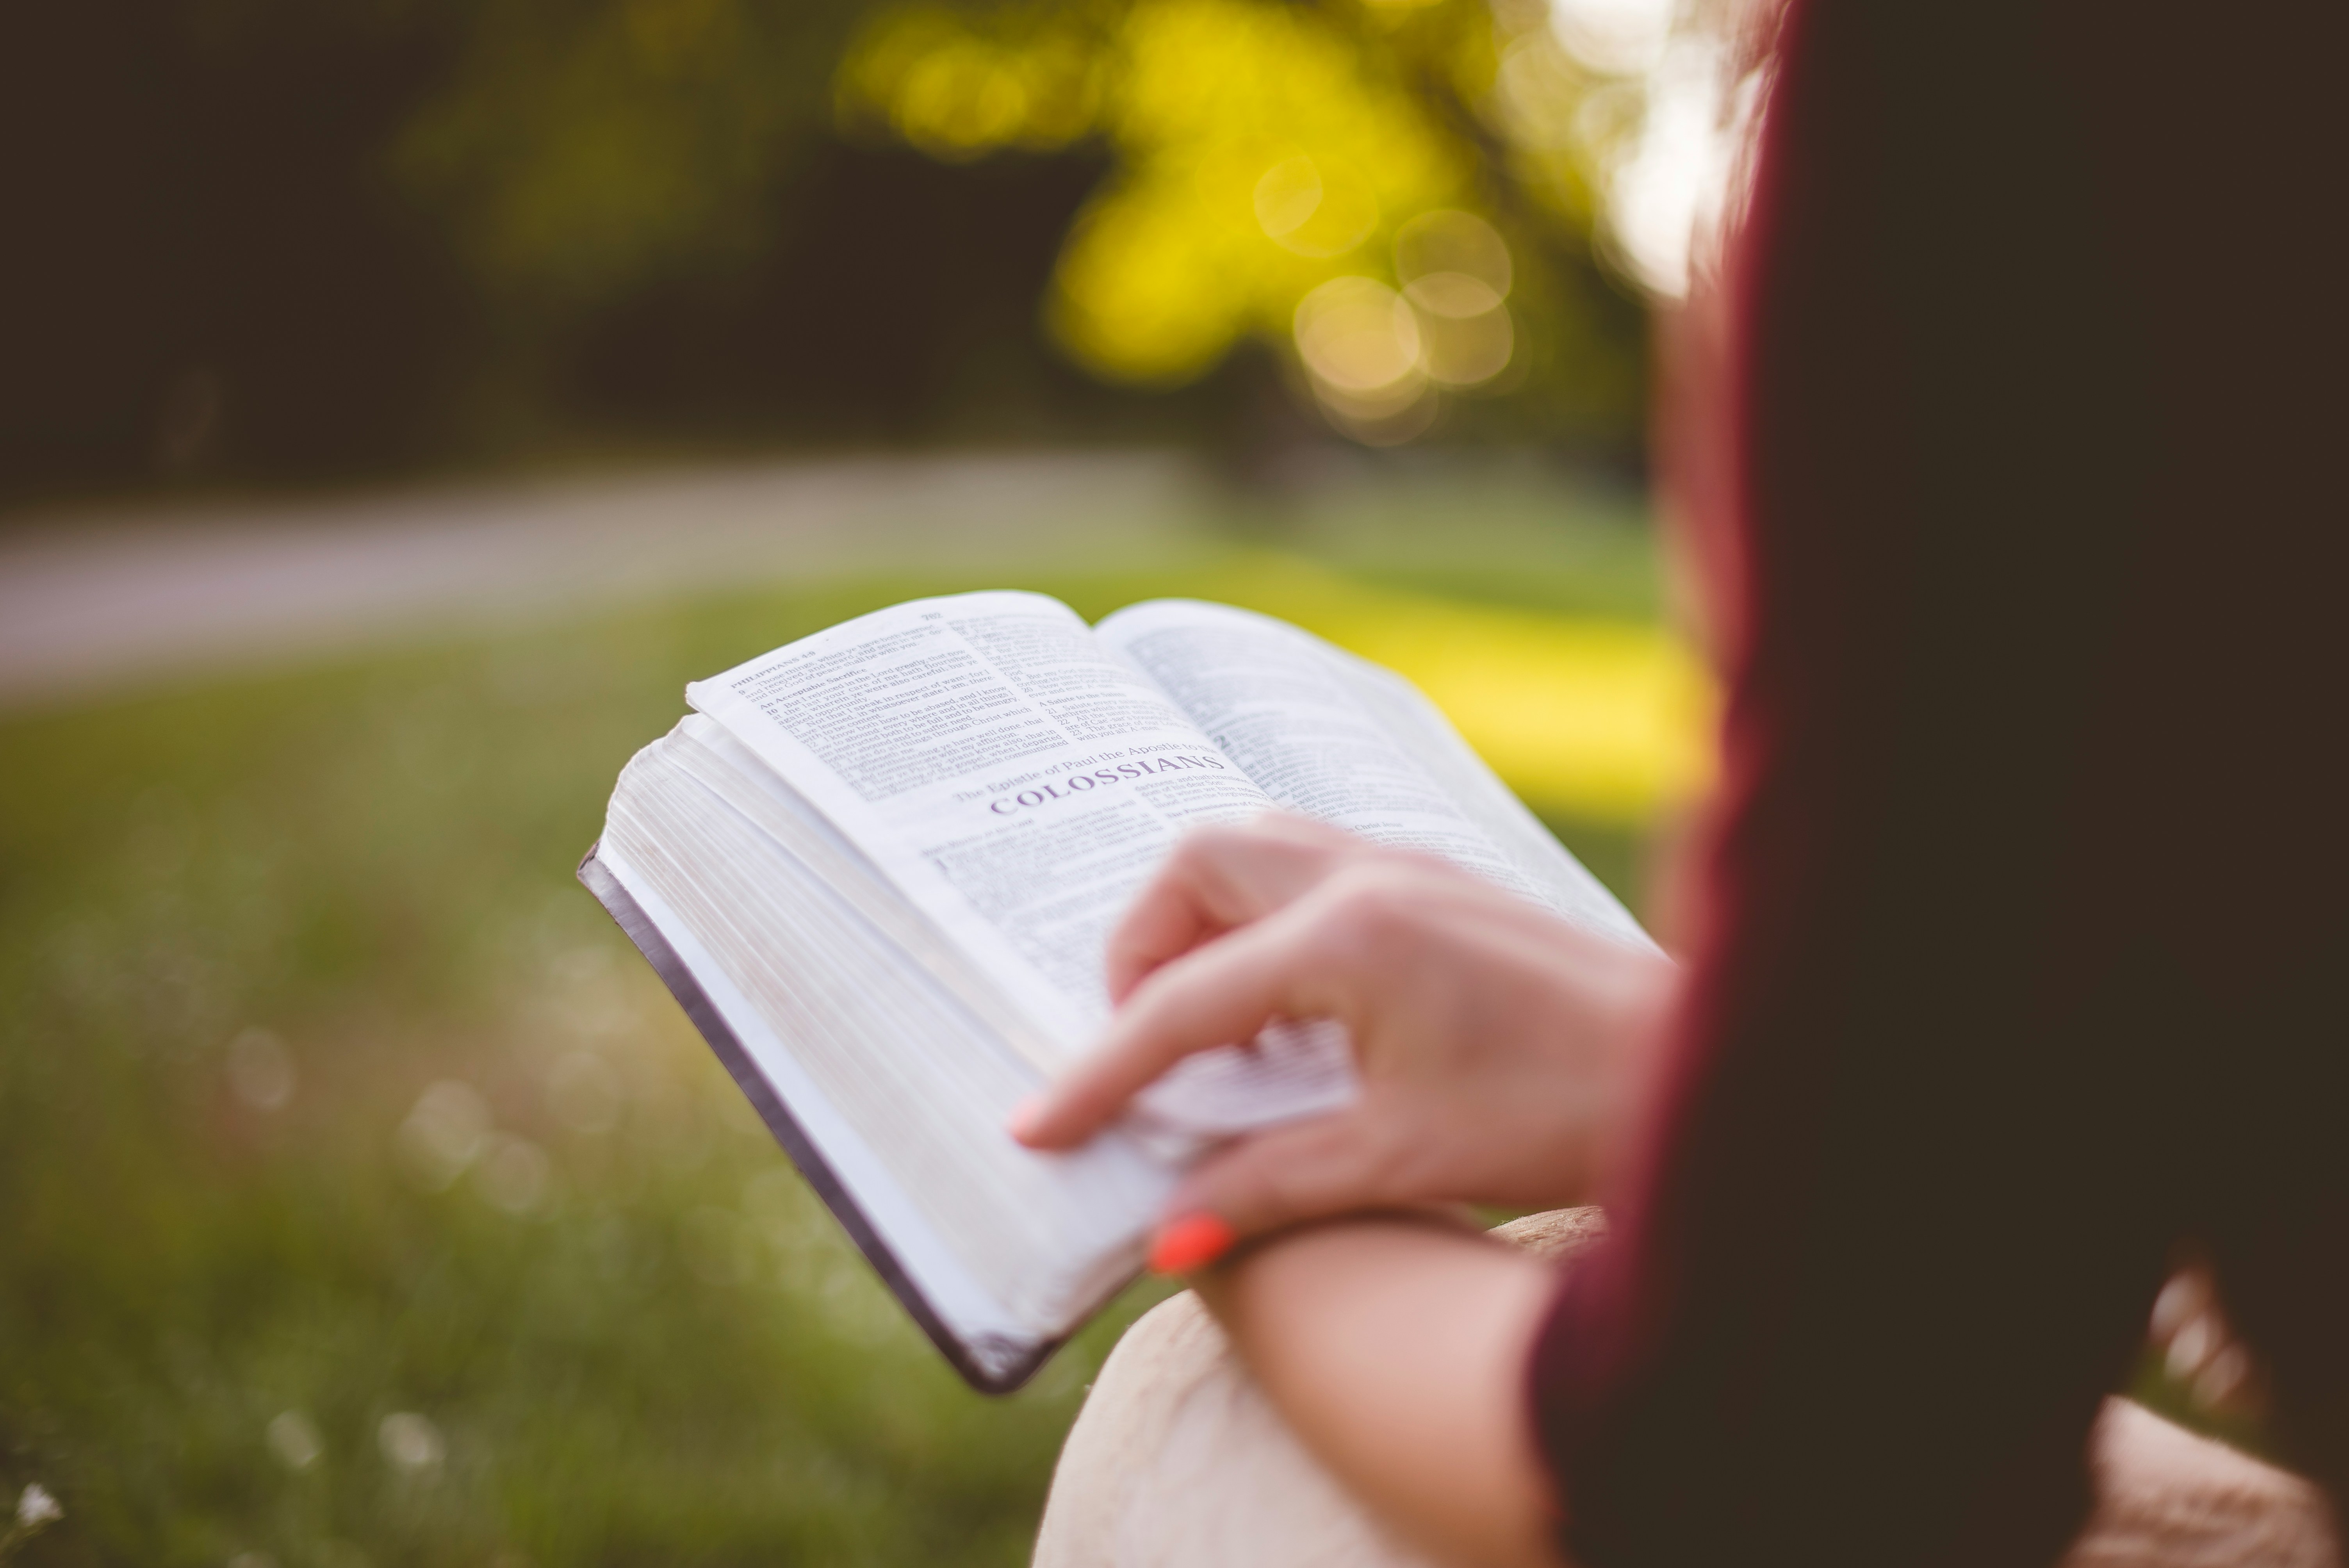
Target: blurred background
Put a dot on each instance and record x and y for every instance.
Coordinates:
(262, 242)
(401, 399)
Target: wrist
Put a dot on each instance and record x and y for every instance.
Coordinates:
(1259, 1262)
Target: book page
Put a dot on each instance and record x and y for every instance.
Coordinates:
(954, 1286)
(922, 1080)
(1015, 782)
(1329, 736)
(707, 752)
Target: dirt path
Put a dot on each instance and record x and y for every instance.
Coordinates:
(91, 603)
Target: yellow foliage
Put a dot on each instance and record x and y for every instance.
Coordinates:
(1217, 99)
(1260, 154)
(957, 93)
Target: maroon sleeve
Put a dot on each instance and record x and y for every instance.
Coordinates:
(2021, 916)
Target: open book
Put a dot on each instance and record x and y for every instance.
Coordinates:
(879, 867)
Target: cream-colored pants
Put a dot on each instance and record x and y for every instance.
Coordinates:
(1178, 1461)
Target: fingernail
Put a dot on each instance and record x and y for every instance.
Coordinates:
(1189, 1244)
(1022, 1123)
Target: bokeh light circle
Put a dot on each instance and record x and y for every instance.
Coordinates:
(1357, 336)
(1457, 273)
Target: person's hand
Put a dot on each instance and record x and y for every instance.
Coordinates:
(1497, 1043)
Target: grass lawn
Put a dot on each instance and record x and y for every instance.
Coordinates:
(367, 1201)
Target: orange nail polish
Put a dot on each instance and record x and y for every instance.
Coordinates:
(1190, 1243)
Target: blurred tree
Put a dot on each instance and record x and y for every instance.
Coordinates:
(581, 148)
(1391, 189)
(264, 238)
(592, 150)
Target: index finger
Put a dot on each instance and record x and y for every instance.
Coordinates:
(1220, 995)
(1216, 879)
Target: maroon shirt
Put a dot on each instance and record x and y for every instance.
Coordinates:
(2022, 957)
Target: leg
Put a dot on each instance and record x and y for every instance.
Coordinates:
(1178, 1461)
(2168, 1498)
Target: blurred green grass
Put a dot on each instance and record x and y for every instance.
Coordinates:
(629, 1339)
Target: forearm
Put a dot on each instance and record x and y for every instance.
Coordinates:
(1396, 1349)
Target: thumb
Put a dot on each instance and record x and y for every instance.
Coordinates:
(1306, 1170)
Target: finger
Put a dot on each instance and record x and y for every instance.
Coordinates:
(1286, 1175)
(1218, 995)
(1296, 828)
(1218, 877)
